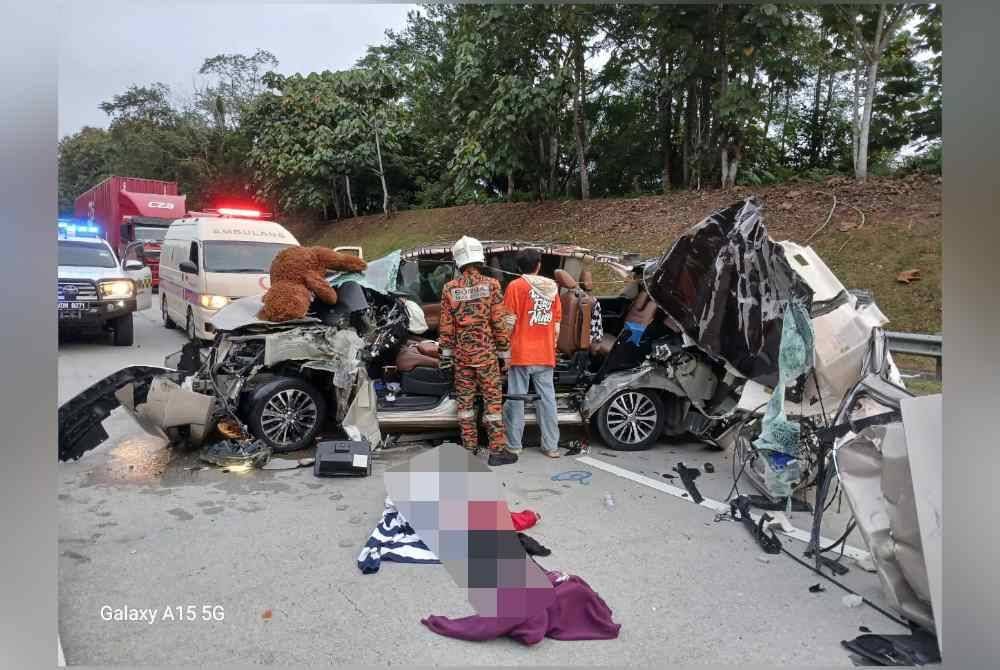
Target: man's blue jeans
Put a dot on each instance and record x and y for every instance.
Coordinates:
(518, 378)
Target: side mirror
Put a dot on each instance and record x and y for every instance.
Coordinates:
(187, 267)
(134, 265)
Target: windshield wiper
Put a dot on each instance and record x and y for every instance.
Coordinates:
(241, 270)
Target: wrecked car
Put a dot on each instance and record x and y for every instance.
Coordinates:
(686, 343)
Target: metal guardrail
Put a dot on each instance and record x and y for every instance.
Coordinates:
(917, 344)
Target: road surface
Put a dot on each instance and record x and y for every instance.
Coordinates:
(140, 529)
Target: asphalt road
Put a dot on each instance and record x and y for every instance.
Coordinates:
(140, 528)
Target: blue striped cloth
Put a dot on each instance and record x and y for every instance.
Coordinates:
(393, 540)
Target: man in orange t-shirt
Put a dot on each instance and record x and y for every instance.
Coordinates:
(532, 303)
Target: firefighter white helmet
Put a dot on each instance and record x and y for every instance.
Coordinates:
(467, 250)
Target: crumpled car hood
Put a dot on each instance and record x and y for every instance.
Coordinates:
(725, 284)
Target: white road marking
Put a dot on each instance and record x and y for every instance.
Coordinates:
(714, 505)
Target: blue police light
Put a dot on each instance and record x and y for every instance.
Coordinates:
(73, 229)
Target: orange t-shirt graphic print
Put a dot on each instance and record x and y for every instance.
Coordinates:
(537, 312)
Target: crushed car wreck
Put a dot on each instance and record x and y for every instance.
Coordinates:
(685, 347)
(729, 337)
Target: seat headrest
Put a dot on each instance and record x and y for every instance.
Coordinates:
(564, 279)
(586, 281)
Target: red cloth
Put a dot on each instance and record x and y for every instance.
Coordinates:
(577, 613)
(524, 519)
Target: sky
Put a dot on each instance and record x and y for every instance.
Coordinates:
(105, 47)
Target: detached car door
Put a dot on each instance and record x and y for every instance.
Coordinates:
(135, 267)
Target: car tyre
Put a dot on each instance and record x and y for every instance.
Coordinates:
(124, 333)
(168, 323)
(631, 420)
(286, 413)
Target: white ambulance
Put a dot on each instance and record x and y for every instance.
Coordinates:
(211, 258)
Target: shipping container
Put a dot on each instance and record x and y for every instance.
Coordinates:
(130, 209)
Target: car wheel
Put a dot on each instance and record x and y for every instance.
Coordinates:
(631, 420)
(189, 326)
(287, 413)
(168, 323)
(123, 331)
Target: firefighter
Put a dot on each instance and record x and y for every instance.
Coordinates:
(473, 335)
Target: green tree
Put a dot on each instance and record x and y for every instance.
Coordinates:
(85, 159)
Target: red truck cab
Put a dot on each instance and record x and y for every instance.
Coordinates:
(133, 215)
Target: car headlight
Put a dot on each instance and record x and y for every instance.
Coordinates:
(116, 289)
(213, 301)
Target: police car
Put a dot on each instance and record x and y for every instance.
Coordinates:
(97, 292)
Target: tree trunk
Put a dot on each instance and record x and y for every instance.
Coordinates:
(784, 123)
(770, 108)
(510, 185)
(690, 122)
(814, 130)
(553, 162)
(827, 108)
(540, 186)
(861, 170)
(347, 190)
(724, 127)
(579, 121)
(336, 200)
(664, 102)
(856, 118)
(381, 176)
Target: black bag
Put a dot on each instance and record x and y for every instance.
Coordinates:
(343, 458)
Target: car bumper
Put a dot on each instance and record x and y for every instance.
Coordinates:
(94, 314)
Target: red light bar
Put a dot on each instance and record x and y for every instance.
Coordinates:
(250, 213)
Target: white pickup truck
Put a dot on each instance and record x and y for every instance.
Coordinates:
(96, 292)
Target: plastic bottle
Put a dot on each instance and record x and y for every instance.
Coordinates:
(609, 501)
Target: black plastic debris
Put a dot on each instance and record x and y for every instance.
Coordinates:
(575, 447)
(237, 453)
(80, 417)
(817, 588)
(688, 475)
(779, 505)
(725, 283)
(343, 458)
(667, 475)
(709, 468)
(918, 648)
(741, 504)
(532, 547)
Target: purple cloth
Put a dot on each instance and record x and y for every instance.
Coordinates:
(578, 613)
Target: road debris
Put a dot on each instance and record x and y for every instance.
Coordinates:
(907, 276)
(817, 588)
(852, 600)
(236, 454)
(709, 468)
(688, 475)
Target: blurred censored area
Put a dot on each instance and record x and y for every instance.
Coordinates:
(452, 500)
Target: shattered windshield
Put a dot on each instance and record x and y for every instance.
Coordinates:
(379, 276)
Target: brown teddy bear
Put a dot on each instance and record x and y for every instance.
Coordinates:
(298, 273)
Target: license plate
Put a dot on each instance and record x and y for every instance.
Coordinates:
(72, 305)
(70, 314)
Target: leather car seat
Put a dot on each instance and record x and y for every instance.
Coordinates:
(410, 356)
(574, 330)
(642, 310)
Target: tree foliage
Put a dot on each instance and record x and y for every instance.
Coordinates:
(470, 103)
